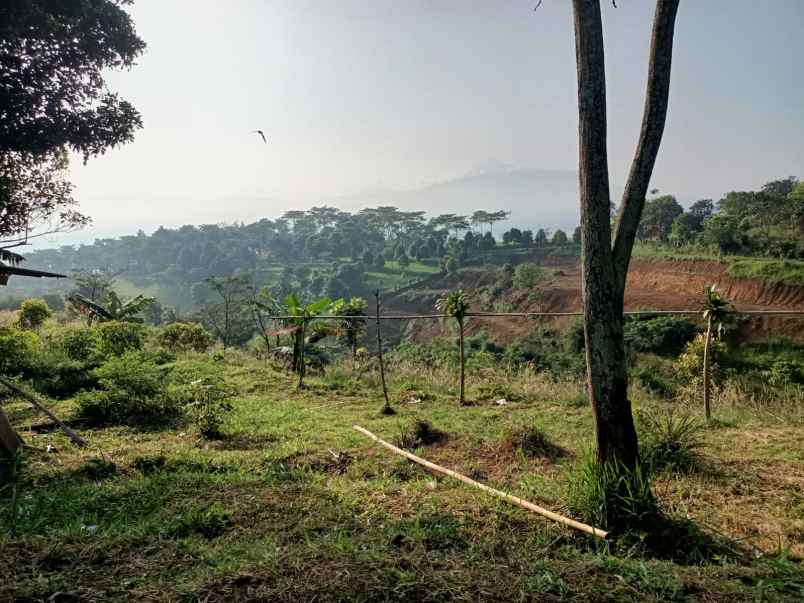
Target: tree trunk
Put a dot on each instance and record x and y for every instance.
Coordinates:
(463, 364)
(604, 268)
(10, 441)
(707, 386)
(654, 117)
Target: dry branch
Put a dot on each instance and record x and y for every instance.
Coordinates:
(498, 493)
(77, 439)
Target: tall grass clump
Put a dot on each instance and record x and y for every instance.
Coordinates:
(612, 495)
(670, 441)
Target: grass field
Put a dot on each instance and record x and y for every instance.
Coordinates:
(294, 505)
(787, 272)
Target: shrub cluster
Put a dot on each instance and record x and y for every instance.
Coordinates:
(185, 337)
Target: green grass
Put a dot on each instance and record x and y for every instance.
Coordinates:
(787, 272)
(773, 271)
(269, 513)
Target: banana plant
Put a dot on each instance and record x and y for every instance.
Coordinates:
(114, 309)
(456, 306)
(301, 316)
(716, 311)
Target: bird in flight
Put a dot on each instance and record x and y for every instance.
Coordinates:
(261, 133)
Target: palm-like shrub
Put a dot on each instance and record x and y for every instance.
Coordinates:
(716, 311)
(300, 318)
(456, 306)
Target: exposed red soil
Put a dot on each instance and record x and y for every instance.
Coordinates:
(655, 285)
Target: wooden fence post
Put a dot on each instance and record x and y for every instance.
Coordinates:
(301, 353)
(386, 410)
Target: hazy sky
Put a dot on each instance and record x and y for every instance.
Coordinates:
(367, 94)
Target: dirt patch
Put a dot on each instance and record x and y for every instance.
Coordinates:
(652, 284)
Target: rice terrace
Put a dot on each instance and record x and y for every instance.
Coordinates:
(260, 341)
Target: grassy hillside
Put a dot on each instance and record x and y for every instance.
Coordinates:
(291, 504)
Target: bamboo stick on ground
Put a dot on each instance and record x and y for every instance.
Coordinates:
(498, 493)
(77, 439)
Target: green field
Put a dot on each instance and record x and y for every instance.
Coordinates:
(292, 504)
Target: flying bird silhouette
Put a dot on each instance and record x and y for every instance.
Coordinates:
(261, 133)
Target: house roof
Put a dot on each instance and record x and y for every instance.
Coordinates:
(7, 271)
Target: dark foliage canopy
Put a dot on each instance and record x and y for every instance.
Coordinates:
(53, 99)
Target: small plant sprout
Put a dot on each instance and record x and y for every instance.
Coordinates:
(210, 406)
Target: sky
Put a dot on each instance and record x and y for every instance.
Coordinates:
(362, 95)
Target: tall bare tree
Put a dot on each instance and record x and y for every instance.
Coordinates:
(605, 263)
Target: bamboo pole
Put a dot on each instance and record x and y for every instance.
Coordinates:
(498, 493)
(77, 439)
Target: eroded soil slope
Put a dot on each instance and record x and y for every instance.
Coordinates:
(656, 285)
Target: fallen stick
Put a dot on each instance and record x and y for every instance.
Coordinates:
(77, 439)
(510, 498)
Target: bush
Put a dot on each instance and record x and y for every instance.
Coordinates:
(78, 343)
(132, 373)
(546, 350)
(59, 376)
(656, 374)
(33, 314)
(117, 338)
(528, 275)
(134, 392)
(689, 365)
(664, 335)
(18, 351)
(670, 441)
(185, 337)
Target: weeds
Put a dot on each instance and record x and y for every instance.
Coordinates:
(671, 441)
(207, 522)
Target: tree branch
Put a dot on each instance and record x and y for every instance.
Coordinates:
(653, 121)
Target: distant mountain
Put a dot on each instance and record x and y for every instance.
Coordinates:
(536, 198)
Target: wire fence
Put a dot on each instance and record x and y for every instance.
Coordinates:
(534, 315)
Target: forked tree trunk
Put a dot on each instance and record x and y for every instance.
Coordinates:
(605, 265)
(707, 384)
